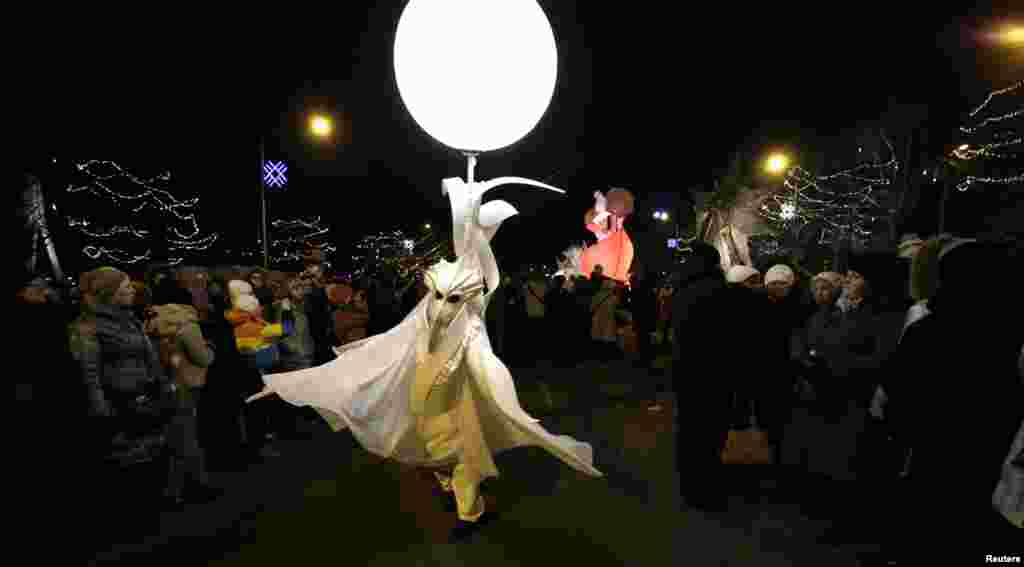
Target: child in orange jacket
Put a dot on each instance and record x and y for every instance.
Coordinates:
(256, 338)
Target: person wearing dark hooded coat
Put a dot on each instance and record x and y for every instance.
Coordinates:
(173, 318)
(229, 380)
(702, 321)
(956, 382)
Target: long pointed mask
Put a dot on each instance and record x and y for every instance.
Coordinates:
(474, 276)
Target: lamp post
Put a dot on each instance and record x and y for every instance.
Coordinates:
(321, 127)
(263, 210)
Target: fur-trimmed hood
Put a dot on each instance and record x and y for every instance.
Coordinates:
(169, 319)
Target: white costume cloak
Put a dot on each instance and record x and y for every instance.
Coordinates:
(378, 386)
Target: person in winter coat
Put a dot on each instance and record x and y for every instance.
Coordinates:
(174, 324)
(644, 306)
(702, 319)
(117, 360)
(783, 315)
(318, 310)
(256, 338)
(261, 288)
(603, 328)
(558, 315)
(956, 372)
(126, 384)
(298, 349)
(231, 441)
(351, 320)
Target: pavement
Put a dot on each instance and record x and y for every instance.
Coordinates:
(328, 501)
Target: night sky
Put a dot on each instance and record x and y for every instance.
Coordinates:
(652, 102)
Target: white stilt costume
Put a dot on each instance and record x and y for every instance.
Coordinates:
(430, 391)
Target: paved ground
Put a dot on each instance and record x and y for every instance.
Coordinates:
(327, 501)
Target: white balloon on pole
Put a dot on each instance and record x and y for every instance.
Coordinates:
(477, 75)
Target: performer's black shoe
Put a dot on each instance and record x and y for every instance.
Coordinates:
(464, 530)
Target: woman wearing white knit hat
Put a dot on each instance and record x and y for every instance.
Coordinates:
(744, 275)
(779, 279)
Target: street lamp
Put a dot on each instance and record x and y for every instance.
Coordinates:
(321, 127)
(776, 163)
(1013, 35)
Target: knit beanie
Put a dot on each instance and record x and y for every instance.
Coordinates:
(740, 273)
(834, 278)
(780, 272)
(102, 283)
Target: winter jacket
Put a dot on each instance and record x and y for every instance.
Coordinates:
(253, 334)
(114, 355)
(702, 313)
(299, 346)
(603, 326)
(854, 347)
(180, 324)
(321, 324)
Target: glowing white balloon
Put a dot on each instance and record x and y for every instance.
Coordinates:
(477, 75)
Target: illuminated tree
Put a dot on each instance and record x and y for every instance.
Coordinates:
(400, 253)
(131, 219)
(991, 151)
(988, 159)
(845, 205)
(290, 238)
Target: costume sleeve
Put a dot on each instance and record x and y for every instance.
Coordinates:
(195, 346)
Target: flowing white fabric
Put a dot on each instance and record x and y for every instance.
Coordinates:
(385, 388)
(367, 390)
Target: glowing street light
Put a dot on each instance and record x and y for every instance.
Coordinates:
(776, 163)
(320, 125)
(1013, 35)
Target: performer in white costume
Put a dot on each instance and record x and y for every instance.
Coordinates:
(430, 392)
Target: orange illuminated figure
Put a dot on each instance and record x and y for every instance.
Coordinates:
(614, 249)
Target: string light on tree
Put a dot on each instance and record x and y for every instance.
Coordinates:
(142, 200)
(401, 252)
(845, 202)
(992, 150)
(289, 237)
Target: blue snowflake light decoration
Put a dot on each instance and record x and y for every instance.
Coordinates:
(275, 174)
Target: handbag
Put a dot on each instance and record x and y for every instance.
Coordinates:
(747, 446)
